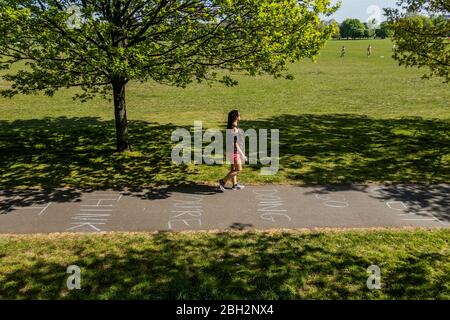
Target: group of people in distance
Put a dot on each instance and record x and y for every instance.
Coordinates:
(369, 50)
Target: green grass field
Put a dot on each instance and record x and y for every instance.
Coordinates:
(250, 265)
(355, 119)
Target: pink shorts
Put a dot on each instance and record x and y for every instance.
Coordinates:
(234, 158)
(237, 158)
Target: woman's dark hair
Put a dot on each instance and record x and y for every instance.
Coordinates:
(232, 116)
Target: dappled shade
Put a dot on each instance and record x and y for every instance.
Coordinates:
(229, 266)
(347, 148)
(80, 152)
(314, 149)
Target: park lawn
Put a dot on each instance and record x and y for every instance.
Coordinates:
(355, 119)
(414, 264)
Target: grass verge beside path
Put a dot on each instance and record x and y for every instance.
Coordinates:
(314, 149)
(415, 264)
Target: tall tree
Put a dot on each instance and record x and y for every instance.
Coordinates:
(352, 28)
(384, 31)
(370, 28)
(337, 32)
(421, 30)
(102, 45)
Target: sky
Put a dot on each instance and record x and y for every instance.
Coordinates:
(363, 9)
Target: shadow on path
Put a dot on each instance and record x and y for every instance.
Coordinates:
(417, 199)
(30, 197)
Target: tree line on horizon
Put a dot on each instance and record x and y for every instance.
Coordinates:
(352, 28)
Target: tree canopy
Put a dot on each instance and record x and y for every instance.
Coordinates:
(384, 30)
(352, 28)
(174, 42)
(421, 30)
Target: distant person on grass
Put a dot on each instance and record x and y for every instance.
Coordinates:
(369, 50)
(343, 52)
(237, 156)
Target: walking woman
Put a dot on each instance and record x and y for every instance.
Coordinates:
(237, 156)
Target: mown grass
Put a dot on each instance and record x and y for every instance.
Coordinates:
(355, 119)
(79, 152)
(415, 264)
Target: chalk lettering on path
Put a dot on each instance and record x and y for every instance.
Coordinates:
(271, 205)
(39, 209)
(396, 205)
(187, 211)
(404, 209)
(406, 215)
(94, 212)
(332, 202)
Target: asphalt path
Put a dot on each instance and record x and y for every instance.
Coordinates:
(206, 208)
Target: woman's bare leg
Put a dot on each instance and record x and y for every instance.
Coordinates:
(230, 174)
(237, 169)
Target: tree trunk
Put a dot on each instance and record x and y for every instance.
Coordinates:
(120, 113)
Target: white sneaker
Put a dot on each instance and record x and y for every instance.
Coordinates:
(222, 185)
(237, 186)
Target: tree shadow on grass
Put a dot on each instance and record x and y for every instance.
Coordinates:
(314, 149)
(347, 148)
(226, 266)
(79, 152)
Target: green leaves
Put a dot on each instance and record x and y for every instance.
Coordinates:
(169, 41)
(352, 28)
(423, 41)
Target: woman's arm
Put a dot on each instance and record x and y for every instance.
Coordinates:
(238, 148)
(240, 151)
